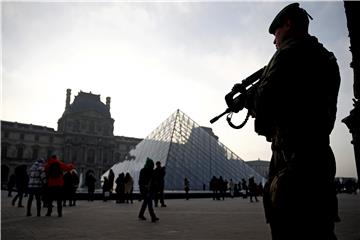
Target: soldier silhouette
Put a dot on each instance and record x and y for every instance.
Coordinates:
(294, 107)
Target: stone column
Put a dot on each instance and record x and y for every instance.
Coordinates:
(108, 99)
(68, 95)
(352, 11)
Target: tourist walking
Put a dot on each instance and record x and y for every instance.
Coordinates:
(37, 181)
(222, 187)
(106, 189)
(128, 188)
(90, 182)
(214, 187)
(252, 189)
(75, 180)
(147, 190)
(21, 182)
(120, 188)
(71, 183)
(159, 180)
(11, 184)
(111, 178)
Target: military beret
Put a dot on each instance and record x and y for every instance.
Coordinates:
(291, 11)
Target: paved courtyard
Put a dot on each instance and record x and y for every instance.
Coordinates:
(194, 219)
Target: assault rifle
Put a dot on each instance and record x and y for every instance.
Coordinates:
(236, 99)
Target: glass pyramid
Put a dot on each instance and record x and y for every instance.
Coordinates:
(186, 150)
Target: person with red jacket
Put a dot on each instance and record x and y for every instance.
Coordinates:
(55, 182)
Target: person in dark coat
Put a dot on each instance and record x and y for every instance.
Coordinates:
(186, 188)
(147, 190)
(214, 187)
(71, 183)
(128, 188)
(106, 189)
(120, 188)
(252, 189)
(222, 187)
(75, 180)
(90, 182)
(22, 180)
(111, 179)
(11, 184)
(159, 181)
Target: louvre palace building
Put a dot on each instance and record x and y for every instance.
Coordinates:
(84, 137)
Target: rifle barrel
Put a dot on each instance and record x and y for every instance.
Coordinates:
(219, 116)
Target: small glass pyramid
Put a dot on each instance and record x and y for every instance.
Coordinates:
(186, 150)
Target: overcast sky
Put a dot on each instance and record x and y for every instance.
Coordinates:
(153, 58)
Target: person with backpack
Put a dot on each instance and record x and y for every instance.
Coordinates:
(55, 182)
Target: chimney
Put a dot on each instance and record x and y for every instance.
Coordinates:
(68, 94)
(108, 102)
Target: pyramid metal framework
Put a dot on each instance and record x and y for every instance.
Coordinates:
(186, 150)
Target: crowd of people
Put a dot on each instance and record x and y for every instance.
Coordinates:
(46, 181)
(49, 181)
(151, 186)
(221, 188)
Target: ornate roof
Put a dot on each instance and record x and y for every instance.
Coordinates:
(88, 102)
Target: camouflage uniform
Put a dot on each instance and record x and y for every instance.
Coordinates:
(295, 108)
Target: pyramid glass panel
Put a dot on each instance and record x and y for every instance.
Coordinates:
(186, 150)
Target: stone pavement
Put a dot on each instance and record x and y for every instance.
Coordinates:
(194, 219)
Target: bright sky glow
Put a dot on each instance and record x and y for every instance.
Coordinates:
(152, 58)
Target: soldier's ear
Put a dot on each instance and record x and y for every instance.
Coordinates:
(287, 24)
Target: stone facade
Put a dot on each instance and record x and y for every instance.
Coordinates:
(260, 166)
(84, 137)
